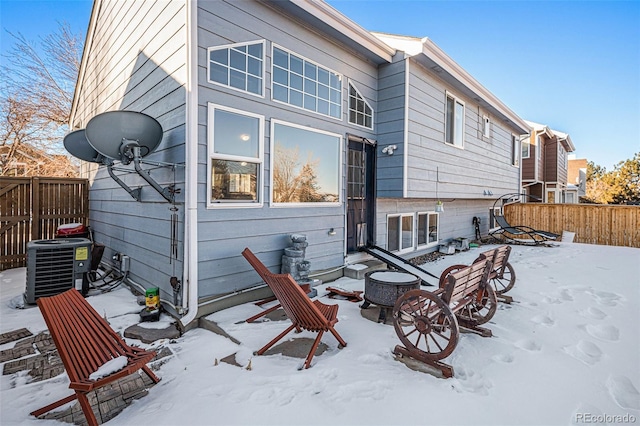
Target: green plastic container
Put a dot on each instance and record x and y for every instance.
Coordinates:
(152, 296)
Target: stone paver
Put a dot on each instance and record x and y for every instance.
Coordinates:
(38, 356)
(11, 336)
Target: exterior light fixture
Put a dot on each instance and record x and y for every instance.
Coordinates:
(389, 149)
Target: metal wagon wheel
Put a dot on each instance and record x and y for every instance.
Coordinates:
(425, 325)
(483, 307)
(450, 270)
(505, 281)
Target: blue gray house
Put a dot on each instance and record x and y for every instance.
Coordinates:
(284, 117)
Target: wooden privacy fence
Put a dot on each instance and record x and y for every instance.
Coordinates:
(611, 225)
(32, 208)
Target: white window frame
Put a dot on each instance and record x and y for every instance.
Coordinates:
(540, 143)
(428, 244)
(211, 108)
(231, 46)
(456, 100)
(350, 84)
(272, 157)
(340, 77)
(399, 217)
(515, 150)
(526, 142)
(486, 126)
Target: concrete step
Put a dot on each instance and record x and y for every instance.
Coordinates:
(357, 270)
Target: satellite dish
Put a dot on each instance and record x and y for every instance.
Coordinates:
(114, 134)
(76, 144)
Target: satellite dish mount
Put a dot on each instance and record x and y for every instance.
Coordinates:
(127, 136)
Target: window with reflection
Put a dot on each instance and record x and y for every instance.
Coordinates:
(235, 152)
(305, 165)
(427, 228)
(400, 232)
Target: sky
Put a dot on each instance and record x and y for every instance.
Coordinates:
(572, 65)
(565, 352)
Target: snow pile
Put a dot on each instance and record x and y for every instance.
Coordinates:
(565, 352)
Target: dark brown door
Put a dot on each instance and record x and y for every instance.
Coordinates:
(360, 194)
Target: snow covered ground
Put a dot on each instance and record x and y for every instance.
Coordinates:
(567, 351)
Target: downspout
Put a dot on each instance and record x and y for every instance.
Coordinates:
(190, 287)
(405, 130)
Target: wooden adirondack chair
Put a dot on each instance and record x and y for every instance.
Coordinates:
(304, 314)
(85, 342)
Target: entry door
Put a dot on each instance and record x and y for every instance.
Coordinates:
(360, 194)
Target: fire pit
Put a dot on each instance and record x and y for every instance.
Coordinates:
(383, 288)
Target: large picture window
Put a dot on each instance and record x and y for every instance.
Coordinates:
(299, 82)
(305, 165)
(235, 157)
(239, 66)
(454, 122)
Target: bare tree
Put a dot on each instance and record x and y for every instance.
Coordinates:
(37, 92)
(294, 182)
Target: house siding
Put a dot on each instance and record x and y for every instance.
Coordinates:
(137, 62)
(431, 159)
(551, 162)
(451, 225)
(391, 129)
(225, 232)
(529, 164)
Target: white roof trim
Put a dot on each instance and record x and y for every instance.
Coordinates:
(430, 49)
(562, 137)
(346, 26)
(413, 46)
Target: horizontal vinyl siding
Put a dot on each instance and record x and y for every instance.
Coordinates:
(456, 221)
(482, 164)
(391, 113)
(551, 162)
(136, 62)
(225, 232)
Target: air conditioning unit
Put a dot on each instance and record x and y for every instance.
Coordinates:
(55, 266)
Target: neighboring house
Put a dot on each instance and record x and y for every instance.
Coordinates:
(576, 179)
(285, 117)
(545, 166)
(26, 161)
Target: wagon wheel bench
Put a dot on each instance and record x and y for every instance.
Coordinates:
(428, 323)
(502, 277)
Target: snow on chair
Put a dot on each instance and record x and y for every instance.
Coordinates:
(92, 353)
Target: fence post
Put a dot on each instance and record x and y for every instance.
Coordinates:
(35, 208)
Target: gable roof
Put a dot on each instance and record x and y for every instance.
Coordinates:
(427, 53)
(378, 47)
(562, 137)
(330, 21)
